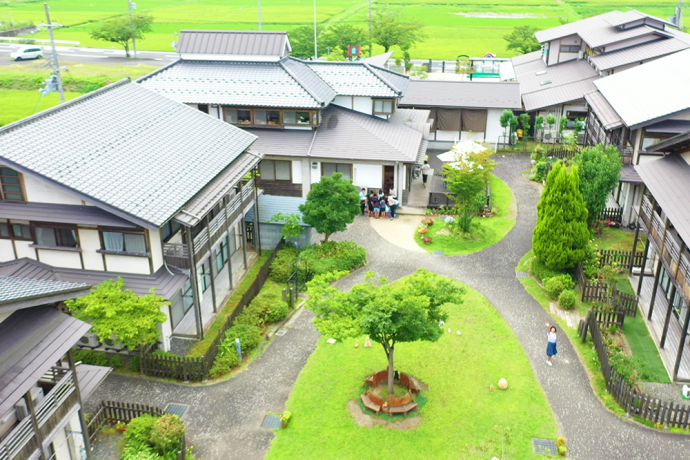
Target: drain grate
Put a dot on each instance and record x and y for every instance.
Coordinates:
(521, 274)
(176, 409)
(281, 332)
(544, 446)
(438, 253)
(526, 174)
(271, 421)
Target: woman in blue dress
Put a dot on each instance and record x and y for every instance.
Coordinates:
(551, 347)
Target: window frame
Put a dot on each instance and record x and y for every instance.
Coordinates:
(323, 174)
(264, 162)
(29, 237)
(373, 106)
(314, 116)
(202, 275)
(124, 231)
(172, 233)
(570, 47)
(20, 184)
(9, 231)
(36, 244)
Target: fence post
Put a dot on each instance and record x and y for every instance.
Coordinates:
(443, 66)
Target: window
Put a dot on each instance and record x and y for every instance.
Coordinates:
(21, 232)
(330, 168)
(275, 170)
(383, 106)
(570, 49)
(221, 255)
(56, 237)
(267, 117)
(4, 230)
(198, 228)
(217, 209)
(169, 229)
(11, 189)
(203, 107)
(238, 116)
(296, 118)
(204, 271)
(134, 243)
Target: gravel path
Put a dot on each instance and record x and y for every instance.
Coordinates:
(223, 419)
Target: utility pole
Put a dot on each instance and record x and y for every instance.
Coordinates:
(259, 15)
(12, 19)
(316, 52)
(370, 28)
(131, 25)
(56, 67)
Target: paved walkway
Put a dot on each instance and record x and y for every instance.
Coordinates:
(223, 420)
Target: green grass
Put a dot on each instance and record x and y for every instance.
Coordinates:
(76, 70)
(18, 104)
(616, 239)
(642, 345)
(447, 33)
(459, 418)
(486, 231)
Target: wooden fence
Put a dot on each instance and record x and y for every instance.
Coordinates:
(186, 369)
(607, 318)
(607, 257)
(631, 399)
(612, 214)
(595, 292)
(563, 153)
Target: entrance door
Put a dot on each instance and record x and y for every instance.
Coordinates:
(249, 230)
(388, 178)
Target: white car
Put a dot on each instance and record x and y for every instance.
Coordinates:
(27, 52)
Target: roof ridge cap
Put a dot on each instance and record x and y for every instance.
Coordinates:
(63, 106)
(299, 82)
(380, 77)
(157, 71)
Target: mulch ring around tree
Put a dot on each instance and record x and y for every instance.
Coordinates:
(368, 418)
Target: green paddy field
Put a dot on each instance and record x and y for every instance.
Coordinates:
(452, 27)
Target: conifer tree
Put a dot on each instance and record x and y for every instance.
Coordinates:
(561, 234)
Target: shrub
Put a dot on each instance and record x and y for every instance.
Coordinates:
(224, 363)
(253, 315)
(427, 239)
(95, 358)
(567, 299)
(167, 433)
(538, 153)
(541, 271)
(249, 336)
(278, 312)
(117, 361)
(134, 364)
(140, 428)
(333, 256)
(449, 220)
(281, 267)
(138, 450)
(556, 284)
(539, 171)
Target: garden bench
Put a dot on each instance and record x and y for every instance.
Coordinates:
(369, 404)
(403, 409)
(410, 383)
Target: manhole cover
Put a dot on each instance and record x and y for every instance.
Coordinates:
(438, 253)
(544, 446)
(176, 409)
(272, 422)
(521, 274)
(281, 332)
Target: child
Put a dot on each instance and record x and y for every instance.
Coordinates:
(377, 207)
(382, 205)
(372, 197)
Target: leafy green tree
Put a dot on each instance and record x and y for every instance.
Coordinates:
(469, 175)
(561, 235)
(336, 54)
(599, 169)
(409, 310)
(119, 314)
(332, 203)
(524, 122)
(538, 123)
(292, 227)
(463, 65)
(341, 35)
(522, 40)
(388, 30)
(302, 41)
(505, 119)
(119, 30)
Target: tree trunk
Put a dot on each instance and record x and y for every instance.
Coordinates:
(328, 235)
(141, 353)
(126, 49)
(390, 373)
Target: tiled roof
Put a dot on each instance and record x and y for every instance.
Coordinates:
(608, 117)
(135, 153)
(62, 214)
(558, 95)
(237, 42)
(288, 83)
(433, 93)
(360, 79)
(13, 289)
(639, 53)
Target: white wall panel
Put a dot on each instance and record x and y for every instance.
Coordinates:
(90, 243)
(368, 176)
(364, 105)
(343, 101)
(6, 250)
(42, 192)
(57, 258)
(127, 264)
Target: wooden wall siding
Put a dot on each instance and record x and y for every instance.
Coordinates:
(632, 400)
(282, 188)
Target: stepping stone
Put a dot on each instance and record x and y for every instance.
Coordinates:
(544, 446)
(271, 421)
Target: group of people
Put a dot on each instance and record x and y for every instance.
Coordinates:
(380, 204)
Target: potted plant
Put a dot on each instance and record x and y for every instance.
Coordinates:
(427, 239)
(285, 419)
(560, 443)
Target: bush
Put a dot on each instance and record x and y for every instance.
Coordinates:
(281, 267)
(137, 450)
(278, 312)
(538, 153)
(539, 171)
(139, 429)
(567, 299)
(541, 271)
(333, 256)
(556, 284)
(250, 337)
(117, 361)
(95, 358)
(134, 364)
(224, 363)
(167, 433)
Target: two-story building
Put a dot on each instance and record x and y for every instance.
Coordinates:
(123, 182)
(311, 118)
(42, 389)
(664, 284)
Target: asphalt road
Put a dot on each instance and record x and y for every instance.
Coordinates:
(104, 56)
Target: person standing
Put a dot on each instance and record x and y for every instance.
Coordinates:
(551, 347)
(373, 199)
(363, 200)
(393, 205)
(425, 172)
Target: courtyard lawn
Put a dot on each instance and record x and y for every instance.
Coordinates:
(18, 104)
(486, 231)
(616, 239)
(461, 414)
(41, 67)
(642, 345)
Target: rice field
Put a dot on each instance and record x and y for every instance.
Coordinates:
(452, 27)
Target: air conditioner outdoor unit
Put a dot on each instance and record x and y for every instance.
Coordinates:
(113, 345)
(21, 410)
(89, 340)
(580, 54)
(37, 395)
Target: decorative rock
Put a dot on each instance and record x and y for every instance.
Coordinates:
(491, 388)
(357, 344)
(503, 384)
(367, 342)
(331, 341)
(449, 331)
(459, 332)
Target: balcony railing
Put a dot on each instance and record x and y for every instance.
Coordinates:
(22, 442)
(657, 231)
(177, 255)
(683, 274)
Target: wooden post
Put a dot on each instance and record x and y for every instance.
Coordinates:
(82, 420)
(211, 262)
(257, 229)
(644, 265)
(227, 241)
(681, 345)
(244, 241)
(34, 424)
(655, 288)
(634, 248)
(668, 316)
(195, 287)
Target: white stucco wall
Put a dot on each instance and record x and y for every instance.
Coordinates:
(363, 104)
(90, 243)
(127, 264)
(297, 171)
(6, 250)
(155, 249)
(471, 136)
(493, 125)
(554, 48)
(42, 192)
(452, 136)
(343, 101)
(369, 176)
(315, 173)
(23, 249)
(57, 258)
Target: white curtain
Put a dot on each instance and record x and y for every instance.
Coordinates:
(135, 243)
(113, 241)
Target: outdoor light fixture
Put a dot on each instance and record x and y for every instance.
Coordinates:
(314, 165)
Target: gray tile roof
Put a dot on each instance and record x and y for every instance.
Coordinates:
(628, 174)
(62, 213)
(270, 205)
(31, 342)
(237, 42)
(90, 377)
(525, 58)
(166, 282)
(125, 148)
(360, 79)
(669, 127)
(607, 116)
(431, 93)
(639, 53)
(558, 95)
(668, 179)
(288, 83)
(673, 144)
(13, 289)
(646, 94)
